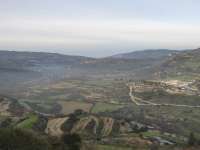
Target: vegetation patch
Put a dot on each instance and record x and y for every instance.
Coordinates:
(69, 107)
(151, 133)
(105, 107)
(29, 122)
(48, 108)
(162, 97)
(17, 139)
(111, 147)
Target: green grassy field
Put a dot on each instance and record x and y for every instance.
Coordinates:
(70, 106)
(111, 147)
(102, 107)
(151, 133)
(29, 122)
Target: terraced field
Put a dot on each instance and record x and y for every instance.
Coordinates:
(108, 126)
(54, 126)
(4, 106)
(87, 125)
(95, 126)
(83, 123)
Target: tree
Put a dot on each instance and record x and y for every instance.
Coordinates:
(73, 141)
(17, 139)
(192, 140)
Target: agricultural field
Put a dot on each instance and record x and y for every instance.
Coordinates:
(53, 127)
(105, 107)
(85, 90)
(4, 106)
(69, 107)
(111, 99)
(28, 122)
(110, 147)
(178, 121)
(67, 95)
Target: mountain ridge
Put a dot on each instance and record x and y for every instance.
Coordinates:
(148, 53)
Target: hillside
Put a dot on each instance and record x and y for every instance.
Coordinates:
(107, 101)
(14, 60)
(19, 68)
(137, 64)
(121, 67)
(184, 65)
(146, 54)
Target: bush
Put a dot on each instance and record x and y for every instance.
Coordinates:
(192, 140)
(73, 141)
(17, 139)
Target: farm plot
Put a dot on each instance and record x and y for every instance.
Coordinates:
(54, 126)
(29, 122)
(70, 106)
(4, 106)
(105, 107)
(83, 123)
(108, 126)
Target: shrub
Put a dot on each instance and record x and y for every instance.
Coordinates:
(73, 141)
(17, 139)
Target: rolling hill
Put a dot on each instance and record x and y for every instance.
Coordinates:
(146, 54)
(17, 68)
(184, 65)
(21, 60)
(21, 68)
(60, 94)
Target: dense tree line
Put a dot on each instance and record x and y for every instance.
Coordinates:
(18, 139)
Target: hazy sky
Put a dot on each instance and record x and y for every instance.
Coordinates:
(98, 27)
